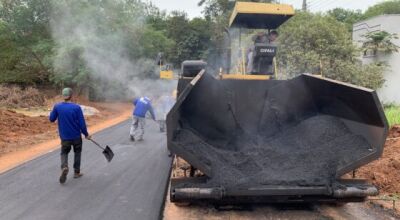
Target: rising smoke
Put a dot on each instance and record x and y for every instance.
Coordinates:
(102, 38)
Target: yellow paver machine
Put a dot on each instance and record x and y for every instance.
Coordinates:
(257, 61)
(258, 139)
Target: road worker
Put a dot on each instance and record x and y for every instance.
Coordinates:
(142, 106)
(71, 124)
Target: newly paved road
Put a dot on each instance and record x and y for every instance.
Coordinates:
(132, 186)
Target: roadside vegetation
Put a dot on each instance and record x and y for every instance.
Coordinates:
(68, 43)
(316, 43)
(16, 97)
(392, 113)
(322, 42)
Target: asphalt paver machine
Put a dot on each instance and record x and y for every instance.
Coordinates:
(257, 139)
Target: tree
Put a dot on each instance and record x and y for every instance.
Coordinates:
(155, 18)
(349, 17)
(191, 37)
(25, 41)
(104, 40)
(154, 41)
(386, 7)
(201, 29)
(95, 41)
(308, 40)
(379, 41)
(216, 8)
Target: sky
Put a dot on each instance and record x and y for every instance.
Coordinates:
(191, 8)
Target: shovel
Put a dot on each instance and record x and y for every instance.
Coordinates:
(108, 153)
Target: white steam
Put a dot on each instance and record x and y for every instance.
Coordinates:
(107, 44)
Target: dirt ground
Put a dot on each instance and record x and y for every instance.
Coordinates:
(19, 131)
(385, 172)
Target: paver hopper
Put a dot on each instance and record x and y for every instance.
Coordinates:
(274, 141)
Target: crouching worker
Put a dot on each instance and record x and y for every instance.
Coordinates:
(142, 106)
(71, 124)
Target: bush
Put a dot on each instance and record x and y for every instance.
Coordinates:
(17, 97)
(392, 113)
(314, 43)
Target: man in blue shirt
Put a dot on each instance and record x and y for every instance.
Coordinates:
(71, 124)
(142, 106)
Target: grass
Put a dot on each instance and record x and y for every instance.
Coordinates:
(392, 113)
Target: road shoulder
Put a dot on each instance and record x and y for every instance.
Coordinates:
(13, 159)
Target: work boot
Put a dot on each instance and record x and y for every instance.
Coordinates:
(77, 175)
(64, 173)
(132, 138)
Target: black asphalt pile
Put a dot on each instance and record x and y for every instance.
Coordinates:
(274, 133)
(306, 153)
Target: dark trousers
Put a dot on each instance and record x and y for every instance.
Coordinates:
(66, 148)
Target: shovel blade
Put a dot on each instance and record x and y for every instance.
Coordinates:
(108, 153)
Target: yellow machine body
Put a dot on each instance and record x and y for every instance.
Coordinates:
(255, 15)
(244, 77)
(166, 74)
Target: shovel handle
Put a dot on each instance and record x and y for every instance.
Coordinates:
(97, 144)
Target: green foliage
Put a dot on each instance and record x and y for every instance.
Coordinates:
(28, 53)
(386, 7)
(25, 41)
(216, 8)
(191, 37)
(349, 17)
(99, 41)
(346, 16)
(367, 75)
(70, 42)
(129, 35)
(153, 41)
(307, 38)
(155, 18)
(315, 43)
(392, 113)
(380, 41)
(70, 68)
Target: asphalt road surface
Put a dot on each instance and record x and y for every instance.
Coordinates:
(132, 186)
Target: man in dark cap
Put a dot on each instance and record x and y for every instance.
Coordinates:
(71, 124)
(272, 37)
